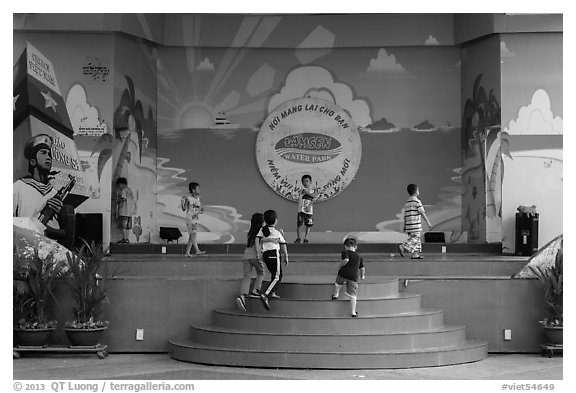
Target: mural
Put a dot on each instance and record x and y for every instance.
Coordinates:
(481, 141)
(214, 105)
(485, 145)
(165, 116)
(308, 136)
(532, 116)
(83, 101)
(134, 139)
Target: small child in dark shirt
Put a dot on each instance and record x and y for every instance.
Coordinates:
(348, 273)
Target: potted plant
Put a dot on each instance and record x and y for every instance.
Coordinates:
(88, 280)
(552, 277)
(34, 274)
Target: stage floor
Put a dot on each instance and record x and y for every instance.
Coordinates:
(316, 266)
(310, 248)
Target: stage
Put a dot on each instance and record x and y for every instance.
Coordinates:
(164, 294)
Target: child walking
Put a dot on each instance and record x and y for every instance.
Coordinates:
(305, 209)
(413, 214)
(348, 274)
(269, 252)
(251, 261)
(193, 207)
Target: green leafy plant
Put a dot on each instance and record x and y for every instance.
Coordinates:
(33, 276)
(88, 280)
(552, 278)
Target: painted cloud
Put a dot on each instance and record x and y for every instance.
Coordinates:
(431, 40)
(85, 118)
(385, 63)
(205, 65)
(536, 118)
(504, 51)
(314, 81)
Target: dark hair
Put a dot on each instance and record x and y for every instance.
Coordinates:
(121, 180)
(270, 218)
(411, 189)
(306, 176)
(350, 242)
(192, 186)
(255, 226)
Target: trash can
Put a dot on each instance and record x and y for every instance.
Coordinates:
(526, 233)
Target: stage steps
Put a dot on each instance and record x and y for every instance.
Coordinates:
(306, 329)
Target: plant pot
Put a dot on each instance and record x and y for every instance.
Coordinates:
(33, 337)
(554, 334)
(84, 337)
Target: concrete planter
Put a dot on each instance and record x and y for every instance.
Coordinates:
(554, 334)
(33, 337)
(84, 337)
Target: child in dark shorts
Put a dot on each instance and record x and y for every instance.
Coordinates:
(124, 198)
(350, 266)
(305, 209)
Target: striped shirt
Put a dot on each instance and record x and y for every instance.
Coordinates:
(30, 197)
(413, 211)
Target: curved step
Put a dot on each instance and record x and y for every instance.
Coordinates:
(404, 302)
(321, 288)
(468, 351)
(264, 321)
(445, 336)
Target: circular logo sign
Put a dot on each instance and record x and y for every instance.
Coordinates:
(308, 136)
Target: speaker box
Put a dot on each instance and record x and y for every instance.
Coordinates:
(434, 237)
(170, 234)
(89, 227)
(526, 233)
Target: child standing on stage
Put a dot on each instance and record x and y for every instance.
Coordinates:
(124, 207)
(348, 274)
(413, 213)
(305, 209)
(251, 261)
(193, 207)
(269, 252)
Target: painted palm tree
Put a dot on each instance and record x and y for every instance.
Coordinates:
(497, 146)
(104, 149)
(480, 113)
(128, 116)
(480, 118)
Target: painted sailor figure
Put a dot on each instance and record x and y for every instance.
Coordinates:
(33, 191)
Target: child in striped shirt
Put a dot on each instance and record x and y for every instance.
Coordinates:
(413, 213)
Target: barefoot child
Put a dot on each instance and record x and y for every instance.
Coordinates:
(413, 213)
(193, 207)
(124, 207)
